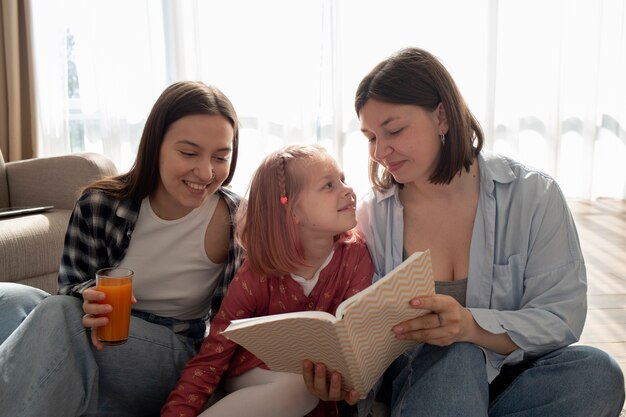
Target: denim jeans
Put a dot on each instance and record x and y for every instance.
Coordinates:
(49, 366)
(452, 381)
(16, 302)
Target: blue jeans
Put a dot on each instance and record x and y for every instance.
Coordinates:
(16, 302)
(452, 381)
(49, 366)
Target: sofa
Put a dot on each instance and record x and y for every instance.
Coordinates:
(31, 245)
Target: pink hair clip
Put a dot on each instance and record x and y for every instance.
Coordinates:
(283, 200)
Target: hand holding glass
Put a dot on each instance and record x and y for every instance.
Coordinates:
(117, 284)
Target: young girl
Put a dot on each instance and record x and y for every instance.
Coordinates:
(302, 254)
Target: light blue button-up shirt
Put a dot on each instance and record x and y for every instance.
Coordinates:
(526, 274)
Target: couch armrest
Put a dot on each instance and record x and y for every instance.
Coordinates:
(54, 180)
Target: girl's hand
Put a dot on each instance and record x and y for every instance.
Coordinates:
(448, 322)
(315, 380)
(93, 309)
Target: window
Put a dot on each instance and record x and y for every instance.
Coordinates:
(291, 70)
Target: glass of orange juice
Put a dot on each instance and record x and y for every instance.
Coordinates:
(117, 284)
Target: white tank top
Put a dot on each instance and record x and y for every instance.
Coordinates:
(174, 277)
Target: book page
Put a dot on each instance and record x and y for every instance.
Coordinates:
(368, 320)
(320, 315)
(283, 344)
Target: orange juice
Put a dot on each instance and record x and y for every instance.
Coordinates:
(118, 288)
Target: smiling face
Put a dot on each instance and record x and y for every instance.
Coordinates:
(326, 205)
(194, 161)
(403, 138)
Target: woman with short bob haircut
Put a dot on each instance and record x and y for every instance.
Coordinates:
(430, 85)
(510, 278)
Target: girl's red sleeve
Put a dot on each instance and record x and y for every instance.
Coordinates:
(202, 374)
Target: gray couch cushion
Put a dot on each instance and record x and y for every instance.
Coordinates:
(32, 245)
(56, 180)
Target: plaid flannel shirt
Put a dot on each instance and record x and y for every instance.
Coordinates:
(98, 235)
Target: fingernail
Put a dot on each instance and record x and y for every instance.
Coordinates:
(415, 303)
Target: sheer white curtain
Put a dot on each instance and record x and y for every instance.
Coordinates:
(559, 91)
(269, 58)
(455, 31)
(49, 26)
(114, 49)
(545, 78)
(120, 64)
(291, 68)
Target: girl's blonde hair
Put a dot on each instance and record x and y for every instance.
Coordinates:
(266, 226)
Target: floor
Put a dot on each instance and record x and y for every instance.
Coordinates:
(602, 229)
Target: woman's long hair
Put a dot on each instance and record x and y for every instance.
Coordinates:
(180, 99)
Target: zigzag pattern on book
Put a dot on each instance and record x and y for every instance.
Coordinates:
(370, 329)
(295, 346)
(361, 345)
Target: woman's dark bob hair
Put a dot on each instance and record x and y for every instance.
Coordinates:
(414, 76)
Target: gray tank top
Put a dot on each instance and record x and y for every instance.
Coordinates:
(455, 289)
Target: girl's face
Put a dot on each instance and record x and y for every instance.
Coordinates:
(194, 161)
(326, 206)
(403, 138)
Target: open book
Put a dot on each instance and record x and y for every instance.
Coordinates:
(357, 341)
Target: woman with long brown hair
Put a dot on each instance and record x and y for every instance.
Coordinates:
(171, 220)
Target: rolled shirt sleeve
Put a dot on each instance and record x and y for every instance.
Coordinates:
(538, 279)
